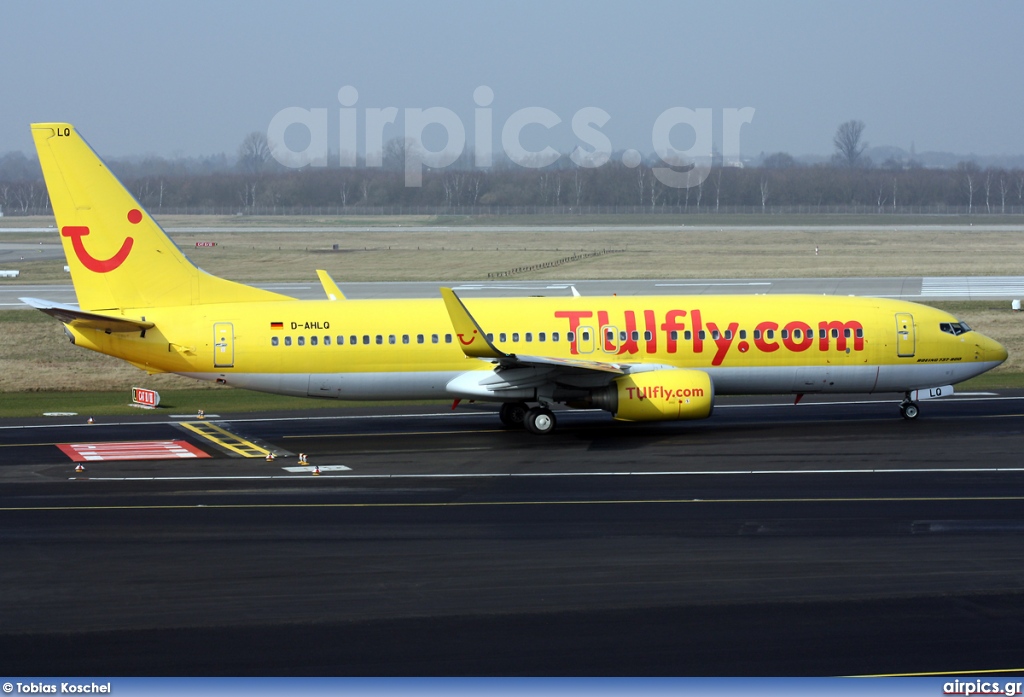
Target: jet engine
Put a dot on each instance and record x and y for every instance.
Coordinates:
(658, 395)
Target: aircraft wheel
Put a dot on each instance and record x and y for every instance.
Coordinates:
(909, 411)
(540, 421)
(512, 414)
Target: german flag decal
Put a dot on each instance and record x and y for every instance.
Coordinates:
(277, 325)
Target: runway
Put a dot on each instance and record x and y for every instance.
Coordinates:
(830, 537)
(913, 288)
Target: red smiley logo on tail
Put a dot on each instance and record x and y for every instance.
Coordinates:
(77, 232)
(471, 339)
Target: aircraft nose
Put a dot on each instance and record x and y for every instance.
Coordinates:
(992, 350)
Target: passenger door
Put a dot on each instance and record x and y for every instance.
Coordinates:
(223, 345)
(905, 337)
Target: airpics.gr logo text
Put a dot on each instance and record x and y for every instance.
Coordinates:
(682, 168)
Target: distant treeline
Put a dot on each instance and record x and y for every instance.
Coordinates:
(215, 184)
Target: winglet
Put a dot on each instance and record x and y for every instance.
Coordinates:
(330, 287)
(472, 338)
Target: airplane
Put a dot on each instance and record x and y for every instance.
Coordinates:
(656, 358)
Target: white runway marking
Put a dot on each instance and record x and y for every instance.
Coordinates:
(973, 286)
(534, 475)
(687, 285)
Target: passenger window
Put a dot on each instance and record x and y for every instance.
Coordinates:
(392, 340)
(312, 341)
(570, 337)
(784, 333)
(702, 334)
(380, 339)
(846, 333)
(515, 336)
(447, 338)
(648, 336)
(502, 338)
(302, 341)
(797, 334)
(366, 339)
(433, 338)
(743, 333)
(327, 341)
(835, 333)
(419, 338)
(770, 334)
(354, 340)
(541, 337)
(273, 341)
(341, 340)
(687, 335)
(405, 338)
(757, 334)
(674, 335)
(529, 336)
(554, 336)
(490, 337)
(860, 333)
(715, 335)
(585, 336)
(287, 341)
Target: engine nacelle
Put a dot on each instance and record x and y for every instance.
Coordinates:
(658, 395)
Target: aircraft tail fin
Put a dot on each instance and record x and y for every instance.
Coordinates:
(118, 255)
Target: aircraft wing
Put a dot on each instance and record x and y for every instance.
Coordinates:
(475, 344)
(90, 320)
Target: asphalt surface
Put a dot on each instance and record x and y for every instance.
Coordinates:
(913, 288)
(819, 539)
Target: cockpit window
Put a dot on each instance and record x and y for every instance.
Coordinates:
(954, 328)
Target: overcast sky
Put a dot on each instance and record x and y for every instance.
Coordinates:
(194, 77)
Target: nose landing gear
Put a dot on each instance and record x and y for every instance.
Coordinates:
(908, 408)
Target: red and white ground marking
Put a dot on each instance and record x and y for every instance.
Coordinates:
(131, 450)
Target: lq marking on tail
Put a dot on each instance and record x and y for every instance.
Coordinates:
(77, 232)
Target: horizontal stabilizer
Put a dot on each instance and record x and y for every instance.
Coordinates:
(89, 320)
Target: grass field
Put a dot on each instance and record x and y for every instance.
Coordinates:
(35, 357)
(454, 254)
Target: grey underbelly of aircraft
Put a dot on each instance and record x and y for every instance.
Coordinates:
(844, 379)
(727, 381)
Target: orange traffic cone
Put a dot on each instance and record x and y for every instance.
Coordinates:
(316, 470)
(79, 467)
(270, 457)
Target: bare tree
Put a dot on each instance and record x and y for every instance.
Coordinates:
(849, 149)
(988, 191)
(718, 188)
(764, 193)
(969, 173)
(1004, 187)
(254, 152)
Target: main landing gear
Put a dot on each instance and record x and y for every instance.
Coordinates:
(908, 408)
(538, 420)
